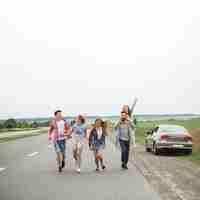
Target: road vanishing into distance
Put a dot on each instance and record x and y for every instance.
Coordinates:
(28, 171)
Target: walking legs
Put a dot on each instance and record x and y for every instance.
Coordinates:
(125, 146)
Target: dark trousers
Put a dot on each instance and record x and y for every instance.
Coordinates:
(125, 146)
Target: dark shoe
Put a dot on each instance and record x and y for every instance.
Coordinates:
(125, 167)
(60, 169)
(103, 167)
(97, 170)
(63, 164)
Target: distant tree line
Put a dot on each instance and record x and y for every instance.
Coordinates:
(12, 123)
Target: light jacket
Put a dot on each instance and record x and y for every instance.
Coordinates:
(131, 131)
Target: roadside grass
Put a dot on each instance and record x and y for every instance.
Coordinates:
(195, 157)
(190, 125)
(140, 135)
(22, 134)
(16, 129)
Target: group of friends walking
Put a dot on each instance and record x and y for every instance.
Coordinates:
(94, 135)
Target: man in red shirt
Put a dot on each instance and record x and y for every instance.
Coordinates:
(59, 129)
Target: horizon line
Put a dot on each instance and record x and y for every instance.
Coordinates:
(137, 114)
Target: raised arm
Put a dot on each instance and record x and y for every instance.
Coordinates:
(133, 106)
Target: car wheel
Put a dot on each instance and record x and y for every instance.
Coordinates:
(147, 148)
(155, 149)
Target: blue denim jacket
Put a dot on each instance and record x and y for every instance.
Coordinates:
(95, 142)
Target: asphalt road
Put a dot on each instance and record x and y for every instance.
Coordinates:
(28, 171)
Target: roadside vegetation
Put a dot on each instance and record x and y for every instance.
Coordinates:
(192, 125)
(17, 125)
(12, 129)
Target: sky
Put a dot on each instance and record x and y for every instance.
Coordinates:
(91, 57)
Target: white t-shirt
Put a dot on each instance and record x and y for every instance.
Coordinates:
(61, 126)
(99, 132)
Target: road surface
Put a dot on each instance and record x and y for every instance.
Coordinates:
(28, 171)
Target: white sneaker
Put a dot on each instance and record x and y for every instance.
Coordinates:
(78, 170)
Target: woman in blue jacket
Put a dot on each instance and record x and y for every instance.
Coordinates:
(97, 142)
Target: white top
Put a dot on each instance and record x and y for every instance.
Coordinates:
(61, 126)
(99, 132)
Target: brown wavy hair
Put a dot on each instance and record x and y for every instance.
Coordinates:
(103, 125)
(82, 119)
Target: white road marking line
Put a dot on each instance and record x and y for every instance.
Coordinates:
(2, 169)
(32, 154)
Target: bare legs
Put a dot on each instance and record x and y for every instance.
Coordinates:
(78, 149)
(79, 157)
(60, 161)
(98, 159)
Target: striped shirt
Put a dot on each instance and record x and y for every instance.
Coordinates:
(57, 130)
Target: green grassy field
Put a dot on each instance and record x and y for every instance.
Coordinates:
(191, 125)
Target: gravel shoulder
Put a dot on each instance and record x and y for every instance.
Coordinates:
(172, 178)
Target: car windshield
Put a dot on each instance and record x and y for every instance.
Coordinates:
(172, 129)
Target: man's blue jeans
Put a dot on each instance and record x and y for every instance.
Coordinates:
(125, 146)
